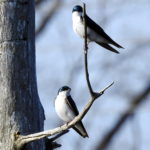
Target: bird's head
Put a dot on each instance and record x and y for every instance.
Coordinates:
(77, 10)
(64, 90)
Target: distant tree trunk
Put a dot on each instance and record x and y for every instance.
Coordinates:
(20, 107)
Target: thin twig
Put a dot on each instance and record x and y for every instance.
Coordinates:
(86, 52)
(21, 140)
(85, 28)
(107, 87)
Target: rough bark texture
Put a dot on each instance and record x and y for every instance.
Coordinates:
(20, 108)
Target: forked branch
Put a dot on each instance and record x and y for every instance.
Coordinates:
(91, 91)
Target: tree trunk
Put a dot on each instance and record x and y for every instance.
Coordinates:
(20, 107)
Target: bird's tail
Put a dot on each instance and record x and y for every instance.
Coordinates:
(108, 47)
(79, 128)
(115, 44)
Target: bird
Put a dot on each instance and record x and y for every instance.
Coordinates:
(94, 32)
(67, 110)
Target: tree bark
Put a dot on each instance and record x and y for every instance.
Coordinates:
(20, 107)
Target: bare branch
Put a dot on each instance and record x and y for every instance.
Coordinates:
(22, 140)
(136, 102)
(86, 52)
(92, 93)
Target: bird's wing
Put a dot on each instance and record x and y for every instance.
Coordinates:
(94, 26)
(72, 105)
(91, 24)
(79, 128)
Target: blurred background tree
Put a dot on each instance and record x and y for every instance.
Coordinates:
(111, 123)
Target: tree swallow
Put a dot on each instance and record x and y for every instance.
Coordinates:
(66, 109)
(94, 32)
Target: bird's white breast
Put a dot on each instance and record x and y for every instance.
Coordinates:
(62, 109)
(78, 26)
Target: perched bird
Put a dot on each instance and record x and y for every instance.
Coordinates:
(66, 109)
(94, 32)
